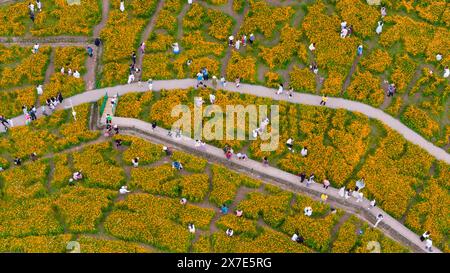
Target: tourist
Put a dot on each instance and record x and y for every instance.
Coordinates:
(90, 51)
(4, 122)
(177, 165)
(252, 39)
(341, 192)
(130, 78)
(372, 204)
(304, 151)
(124, 190)
(183, 201)
(343, 25)
(239, 213)
(190, 2)
(379, 27)
(391, 90)
(71, 182)
(77, 175)
(191, 228)
(344, 32)
(176, 48)
(230, 40)
(428, 245)
(62, 70)
(39, 5)
(17, 161)
(167, 150)
(108, 119)
(150, 84)
(379, 219)
(31, 7)
(310, 179)
(153, 125)
(142, 47)
(302, 177)
(118, 143)
(265, 161)
(33, 156)
(360, 50)
(122, 6)
(359, 197)
(116, 129)
(39, 90)
(308, 211)
(60, 97)
(383, 11)
(69, 72)
(223, 82)
(312, 47)
(224, 209)
(228, 155)
(349, 30)
(324, 100)
(229, 232)
(290, 93)
(446, 72)
(205, 73)
(238, 44)
(76, 74)
(200, 79)
(238, 82)
(289, 144)
(244, 40)
(35, 48)
(135, 162)
(425, 236)
(326, 183)
(280, 89)
(323, 197)
(438, 57)
(97, 42)
(214, 82)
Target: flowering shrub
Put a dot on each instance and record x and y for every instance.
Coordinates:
(272, 79)
(239, 225)
(167, 17)
(82, 208)
(403, 73)
(194, 187)
(146, 151)
(11, 19)
(153, 180)
(97, 170)
(225, 184)
(90, 244)
(195, 17)
(395, 106)
(282, 53)
(26, 217)
(264, 18)
(361, 16)
(365, 87)
(190, 163)
(35, 244)
(303, 80)
(135, 101)
(377, 61)
(238, 5)
(157, 66)
(240, 66)
(420, 121)
(62, 173)
(221, 24)
(11, 102)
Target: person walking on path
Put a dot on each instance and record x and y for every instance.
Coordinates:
(383, 11)
(31, 7)
(122, 6)
(150, 84)
(142, 47)
(238, 82)
(324, 100)
(379, 219)
(4, 122)
(428, 245)
(425, 236)
(304, 151)
(280, 89)
(133, 57)
(223, 82)
(214, 82)
(360, 50)
(252, 39)
(39, 5)
(124, 190)
(265, 161)
(326, 183)
(153, 125)
(372, 204)
(35, 48)
(191, 228)
(391, 90)
(238, 44)
(39, 90)
(230, 41)
(302, 177)
(90, 51)
(379, 27)
(312, 47)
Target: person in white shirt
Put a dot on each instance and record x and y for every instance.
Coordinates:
(135, 162)
(223, 81)
(69, 72)
(122, 6)
(229, 232)
(62, 70)
(150, 84)
(304, 151)
(76, 74)
(31, 7)
(280, 89)
(308, 211)
(190, 2)
(294, 237)
(39, 90)
(343, 25)
(123, 190)
(372, 204)
(438, 57)
(191, 228)
(39, 5)
(359, 197)
(183, 201)
(379, 219)
(289, 144)
(230, 40)
(379, 27)
(446, 72)
(428, 244)
(212, 98)
(130, 78)
(312, 46)
(35, 48)
(344, 32)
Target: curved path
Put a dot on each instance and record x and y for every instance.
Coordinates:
(389, 225)
(261, 91)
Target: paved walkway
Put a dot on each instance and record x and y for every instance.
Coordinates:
(261, 91)
(389, 224)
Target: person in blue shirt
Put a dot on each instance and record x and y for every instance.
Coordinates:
(224, 209)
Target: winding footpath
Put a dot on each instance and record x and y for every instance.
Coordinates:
(261, 91)
(389, 225)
